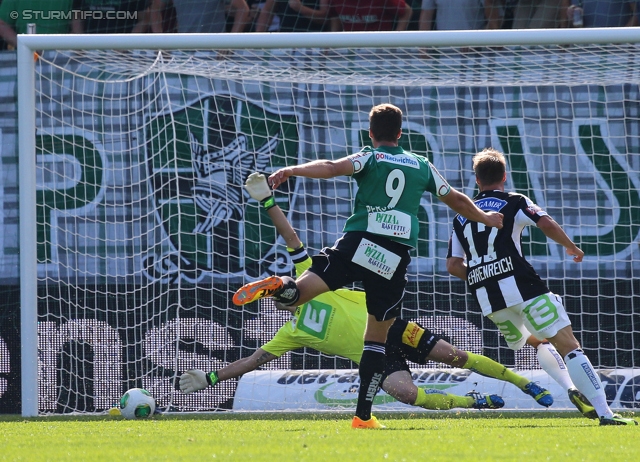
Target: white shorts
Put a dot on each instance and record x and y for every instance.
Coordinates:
(542, 316)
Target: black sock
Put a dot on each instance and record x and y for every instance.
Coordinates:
(372, 366)
(289, 294)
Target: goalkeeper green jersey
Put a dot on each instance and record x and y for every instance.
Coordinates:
(391, 182)
(332, 323)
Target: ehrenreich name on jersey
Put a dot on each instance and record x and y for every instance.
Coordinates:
(497, 273)
(489, 270)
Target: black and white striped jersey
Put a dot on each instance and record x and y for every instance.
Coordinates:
(497, 273)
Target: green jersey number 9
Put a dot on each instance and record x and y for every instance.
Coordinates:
(395, 186)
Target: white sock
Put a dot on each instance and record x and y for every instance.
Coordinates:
(552, 363)
(587, 381)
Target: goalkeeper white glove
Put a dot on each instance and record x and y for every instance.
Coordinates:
(258, 188)
(195, 379)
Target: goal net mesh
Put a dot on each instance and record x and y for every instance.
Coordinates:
(145, 232)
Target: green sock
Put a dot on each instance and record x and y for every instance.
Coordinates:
(488, 367)
(440, 401)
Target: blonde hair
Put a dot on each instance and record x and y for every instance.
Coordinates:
(489, 165)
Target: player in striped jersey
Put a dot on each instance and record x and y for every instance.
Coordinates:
(509, 290)
(334, 323)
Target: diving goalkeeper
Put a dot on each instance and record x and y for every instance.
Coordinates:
(345, 317)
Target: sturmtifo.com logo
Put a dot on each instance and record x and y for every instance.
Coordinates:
(68, 15)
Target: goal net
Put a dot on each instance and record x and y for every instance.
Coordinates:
(136, 230)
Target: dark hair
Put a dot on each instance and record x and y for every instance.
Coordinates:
(385, 122)
(489, 166)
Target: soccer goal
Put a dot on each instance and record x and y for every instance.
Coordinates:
(135, 229)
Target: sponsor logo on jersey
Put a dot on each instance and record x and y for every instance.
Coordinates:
(315, 318)
(390, 223)
(479, 274)
(360, 159)
(491, 204)
(376, 255)
(386, 219)
(376, 208)
(398, 159)
(532, 208)
(487, 204)
(412, 334)
(376, 258)
(442, 187)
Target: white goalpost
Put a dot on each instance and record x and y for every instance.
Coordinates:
(135, 230)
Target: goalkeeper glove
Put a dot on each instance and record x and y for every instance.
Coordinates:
(258, 188)
(195, 379)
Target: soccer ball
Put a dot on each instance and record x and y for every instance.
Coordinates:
(137, 403)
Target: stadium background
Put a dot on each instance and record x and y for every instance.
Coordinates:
(602, 298)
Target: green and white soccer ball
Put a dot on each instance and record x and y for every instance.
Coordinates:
(137, 403)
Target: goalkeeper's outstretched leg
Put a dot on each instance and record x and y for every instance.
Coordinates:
(400, 385)
(431, 347)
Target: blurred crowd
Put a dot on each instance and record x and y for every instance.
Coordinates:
(215, 16)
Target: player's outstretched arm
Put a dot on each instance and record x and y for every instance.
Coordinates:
(195, 379)
(284, 228)
(468, 209)
(322, 169)
(258, 188)
(244, 365)
(554, 231)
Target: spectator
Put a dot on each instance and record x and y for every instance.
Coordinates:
(509, 8)
(14, 20)
(106, 16)
(158, 17)
(251, 23)
(369, 15)
(540, 14)
(414, 22)
(608, 13)
(210, 16)
(460, 15)
(295, 15)
(255, 9)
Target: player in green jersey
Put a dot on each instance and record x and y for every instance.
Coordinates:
(344, 316)
(379, 235)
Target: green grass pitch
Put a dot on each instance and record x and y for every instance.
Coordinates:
(468, 436)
